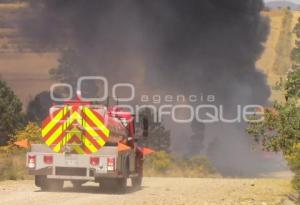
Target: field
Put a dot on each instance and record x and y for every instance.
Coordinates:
(25, 71)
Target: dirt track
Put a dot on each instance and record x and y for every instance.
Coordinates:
(175, 191)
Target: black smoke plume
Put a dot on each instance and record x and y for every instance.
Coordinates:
(166, 46)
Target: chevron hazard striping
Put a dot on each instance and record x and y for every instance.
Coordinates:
(77, 127)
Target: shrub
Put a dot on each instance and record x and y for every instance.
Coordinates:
(159, 162)
(31, 132)
(12, 157)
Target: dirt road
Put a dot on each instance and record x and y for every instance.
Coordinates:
(175, 191)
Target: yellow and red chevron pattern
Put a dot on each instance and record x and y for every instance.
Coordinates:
(79, 127)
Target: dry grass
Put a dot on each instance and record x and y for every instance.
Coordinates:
(12, 6)
(162, 164)
(283, 49)
(27, 73)
(12, 166)
(268, 58)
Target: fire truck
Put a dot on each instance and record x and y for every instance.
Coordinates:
(86, 142)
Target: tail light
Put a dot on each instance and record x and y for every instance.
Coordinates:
(111, 163)
(31, 161)
(48, 159)
(94, 161)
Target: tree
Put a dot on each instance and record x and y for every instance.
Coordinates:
(158, 137)
(280, 130)
(38, 108)
(11, 118)
(71, 67)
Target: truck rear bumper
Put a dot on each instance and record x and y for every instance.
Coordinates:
(43, 171)
(106, 163)
(71, 177)
(67, 173)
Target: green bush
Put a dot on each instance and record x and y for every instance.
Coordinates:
(31, 132)
(12, 157)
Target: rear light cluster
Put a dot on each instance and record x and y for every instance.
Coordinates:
(31, 161)
(111, 163)
(48, 159)
(94, 161)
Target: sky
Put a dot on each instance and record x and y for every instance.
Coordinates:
(294, 1)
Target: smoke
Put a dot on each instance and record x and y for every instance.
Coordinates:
(166, 46)
(209, 46)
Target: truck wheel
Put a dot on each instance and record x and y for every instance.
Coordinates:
(122, 184)
(52, 185)
(136, 182)
(114, 185)
(39, 180)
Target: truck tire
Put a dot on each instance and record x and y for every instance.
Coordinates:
(39, 180)
(136, 182)
(122, 184)
(52, 185)
(113, 185)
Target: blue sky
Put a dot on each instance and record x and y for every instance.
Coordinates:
(294, 1)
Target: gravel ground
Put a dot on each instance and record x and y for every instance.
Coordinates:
(173, 191)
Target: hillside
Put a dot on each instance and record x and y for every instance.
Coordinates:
(24, 70)
(275, 60)
(282, 4)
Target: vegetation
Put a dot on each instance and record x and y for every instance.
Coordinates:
(162, 164)
(31, 132)
(158, 137)
(38, 108)
(12, 157)
(71, 67)
(12, 166)
(11, 117)
(280, 131)
(295, 55)
(283, 48)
